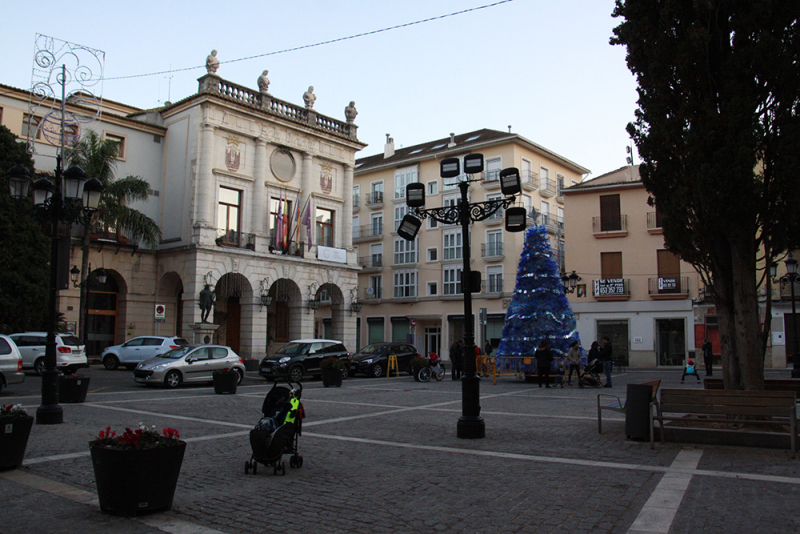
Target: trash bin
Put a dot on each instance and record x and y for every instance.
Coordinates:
(637, 411)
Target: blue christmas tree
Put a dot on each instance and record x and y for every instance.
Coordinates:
(539, 309)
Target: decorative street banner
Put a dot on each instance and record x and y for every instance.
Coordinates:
(609, 287)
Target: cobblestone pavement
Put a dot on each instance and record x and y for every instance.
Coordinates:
(382, 456)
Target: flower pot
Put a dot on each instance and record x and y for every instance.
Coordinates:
(72, 389)
(134, 481)
(14, 434)
(225, 382)
(332, 377)
(251, 365)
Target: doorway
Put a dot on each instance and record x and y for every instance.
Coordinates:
(670, 341)
(433, 340)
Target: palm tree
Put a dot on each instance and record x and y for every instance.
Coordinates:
(98, 158)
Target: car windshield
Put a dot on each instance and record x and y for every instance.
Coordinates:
(293, 348)
(373, 349)
(174, 354)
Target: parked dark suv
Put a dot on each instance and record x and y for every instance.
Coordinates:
(302, 357)
(373, 360)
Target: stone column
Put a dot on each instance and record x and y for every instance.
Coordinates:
(347, 223)
(259, 203)
(205, 177)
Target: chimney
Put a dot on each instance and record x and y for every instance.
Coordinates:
(388, 150)
(452, 140)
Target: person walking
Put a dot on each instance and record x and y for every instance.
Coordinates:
(708, 357)
(574, 360)
(544, 357)
(606, 356)
(455, 359)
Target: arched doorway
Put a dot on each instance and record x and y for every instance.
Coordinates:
(231, 289)
(101, 313)
(282, 313)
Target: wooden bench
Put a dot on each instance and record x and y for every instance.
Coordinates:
(618, 405)
(775, 384)
(703, 406)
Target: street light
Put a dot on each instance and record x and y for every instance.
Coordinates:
(470, 424)
(790, 277)
(570, 281)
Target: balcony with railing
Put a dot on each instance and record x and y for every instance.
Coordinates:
(236, 239)
(492, 251)
(290, 248)
(491, 179)
(367, 232)
(373, 262)
(654, 223)
(374, 199)
(547, 187)
(554, 225)
(610, 226)
(611, 289)
(496, 218)
(212, 83)
(530, 180)
(668, 288)
(356, 202)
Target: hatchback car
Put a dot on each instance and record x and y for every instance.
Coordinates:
(302, 357)
(10, 363)
(190, 363)
(373, 360)
(70, 351)
(139, 349)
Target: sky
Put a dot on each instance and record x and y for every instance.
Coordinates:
(545, 68)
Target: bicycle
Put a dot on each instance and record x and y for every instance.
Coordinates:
(436, 371)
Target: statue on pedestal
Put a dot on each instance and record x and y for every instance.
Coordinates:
(207, 298)
(350, 112)
(309, 97)
(263, 82)
(212, 63)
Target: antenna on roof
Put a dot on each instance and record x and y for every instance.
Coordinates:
(509, 128)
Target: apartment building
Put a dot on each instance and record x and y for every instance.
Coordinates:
(632, 289)
(229, 167)
(411, 290)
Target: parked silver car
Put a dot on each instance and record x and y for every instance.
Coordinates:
(191, 363)
(139, 349)
(10, 363)
(70, 351)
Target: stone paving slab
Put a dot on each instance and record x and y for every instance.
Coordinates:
(381, 455)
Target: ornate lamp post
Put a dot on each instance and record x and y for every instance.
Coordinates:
(790, 277)
(570, 281)
(470, 424)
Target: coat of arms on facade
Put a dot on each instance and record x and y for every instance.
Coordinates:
(326, 178)
(233, 156)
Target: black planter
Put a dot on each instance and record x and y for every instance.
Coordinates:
(72, 389)
(332, 377)
(136, 481)
(13, 440)
(225, 382)
(251, 365)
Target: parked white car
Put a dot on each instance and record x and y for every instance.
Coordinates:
(70, 351)
(10, 363)
(139, 349)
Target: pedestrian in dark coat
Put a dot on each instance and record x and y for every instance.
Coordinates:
(607, 357)
(456, 350)
(544, 357)
(708, 356)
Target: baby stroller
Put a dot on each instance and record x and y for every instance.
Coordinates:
(278, 431)
(590, 376)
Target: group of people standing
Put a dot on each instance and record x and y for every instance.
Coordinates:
(544, 359)
(457, 355)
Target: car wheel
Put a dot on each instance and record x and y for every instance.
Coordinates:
(296, 373)
(345, 372)
(173, 379)
(39, 366)
(111, 362)
(241, 376)
(377, 370)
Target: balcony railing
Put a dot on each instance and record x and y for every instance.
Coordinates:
(494, 284)
(653, 222)
(668, 287)
(547, 187)
(368, 231)
(530, 180)
(609, 225)
(611, 288)
(491, 249)
(356, 201)
(554, 225)
(371, 262)
(375, 197)
(292, 248)
(491, 179)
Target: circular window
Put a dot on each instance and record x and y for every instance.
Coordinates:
(282, 164)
